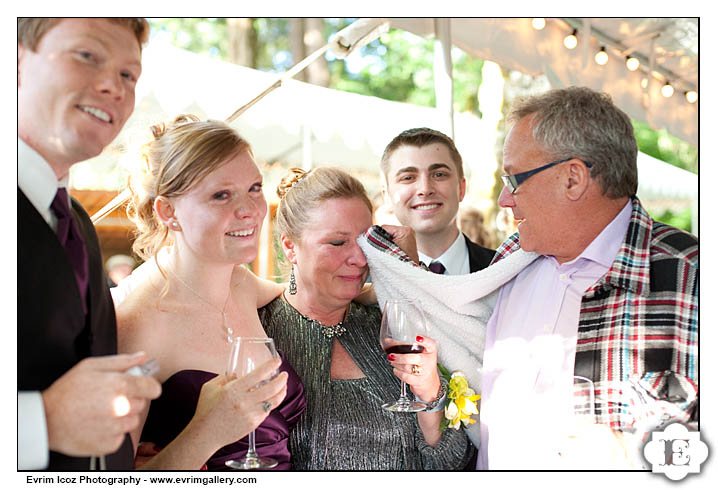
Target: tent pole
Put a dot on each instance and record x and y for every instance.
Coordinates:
(443, 72)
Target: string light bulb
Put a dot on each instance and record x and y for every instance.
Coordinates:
(571, 41)
(538, 23)
(601, 57)
(632, 63)
(644, 82)
(692, 96)
(667, 90)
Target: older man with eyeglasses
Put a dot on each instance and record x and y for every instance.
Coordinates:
(613, 296)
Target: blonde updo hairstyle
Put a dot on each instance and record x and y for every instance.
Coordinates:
(301, 193)
(179, 156)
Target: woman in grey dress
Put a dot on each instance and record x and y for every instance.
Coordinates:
(333, 342)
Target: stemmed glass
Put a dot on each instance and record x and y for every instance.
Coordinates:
(245, 355)
(401, 321)
(584, 401)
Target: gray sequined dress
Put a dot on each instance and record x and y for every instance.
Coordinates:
(344, 426)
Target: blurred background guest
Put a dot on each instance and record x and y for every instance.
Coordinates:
(118, 267)
(471, 224)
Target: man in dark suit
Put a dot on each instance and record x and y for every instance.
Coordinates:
(76, 84)
(424, 182)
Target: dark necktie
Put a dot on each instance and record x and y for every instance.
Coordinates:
(71, 240)
(437, 267)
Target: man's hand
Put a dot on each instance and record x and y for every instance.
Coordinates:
(404, 237)
(594, 447)
(81, 406)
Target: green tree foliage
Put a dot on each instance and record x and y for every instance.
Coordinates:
(206, 36)
(681, 219)
(273, 44)
(399, 66)
(661, 145)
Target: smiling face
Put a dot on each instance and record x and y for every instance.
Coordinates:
(423, 187)
(329, 265)
(77, 89)
(221, 216)
(536, 202)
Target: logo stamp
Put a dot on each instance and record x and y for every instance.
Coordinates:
(675, 451)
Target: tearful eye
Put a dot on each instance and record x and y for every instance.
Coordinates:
(129, 76)
(86, 55)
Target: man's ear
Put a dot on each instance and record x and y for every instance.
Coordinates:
(384, 188)
(462, 189)
(288, 246)
(578, 178)
(20, 52)
(165, 210)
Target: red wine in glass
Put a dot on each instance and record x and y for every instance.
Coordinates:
(404, 349)
(402, 320)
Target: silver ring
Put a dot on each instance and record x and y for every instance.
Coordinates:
(267, 406)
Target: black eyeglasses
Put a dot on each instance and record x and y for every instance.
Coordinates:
(513, 181)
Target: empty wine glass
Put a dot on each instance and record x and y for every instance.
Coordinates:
(245, 355)
(401, 321)
(584, 401)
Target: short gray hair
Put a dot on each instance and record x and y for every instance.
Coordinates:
(577, 122)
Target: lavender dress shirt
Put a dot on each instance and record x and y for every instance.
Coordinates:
(530, 351)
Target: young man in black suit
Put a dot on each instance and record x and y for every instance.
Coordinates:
(76, 86)
(424, 182)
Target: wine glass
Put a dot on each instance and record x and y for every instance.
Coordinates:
(583, 398)
(245, 355)
(401, 321)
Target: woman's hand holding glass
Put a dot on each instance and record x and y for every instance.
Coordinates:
(418, 370)
(229, 408)
(402, 336)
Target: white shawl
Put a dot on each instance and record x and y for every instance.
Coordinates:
(457, 308)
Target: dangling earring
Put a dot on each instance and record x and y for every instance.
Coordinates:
(292, 283)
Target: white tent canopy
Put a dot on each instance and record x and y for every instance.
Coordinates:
(667, 46)
(305, 125)
(299, 124)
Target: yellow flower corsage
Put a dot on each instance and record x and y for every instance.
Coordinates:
(461, 401)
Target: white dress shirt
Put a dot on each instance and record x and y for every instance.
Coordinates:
(38, 182)
(455, 259)
(530, 354)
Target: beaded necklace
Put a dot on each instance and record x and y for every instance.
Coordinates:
(329, 331)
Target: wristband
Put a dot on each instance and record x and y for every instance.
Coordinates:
(437, 403)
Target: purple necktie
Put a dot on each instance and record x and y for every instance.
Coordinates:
(72, 241)
(437, 267)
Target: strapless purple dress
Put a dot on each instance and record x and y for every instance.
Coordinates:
(172, 411)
